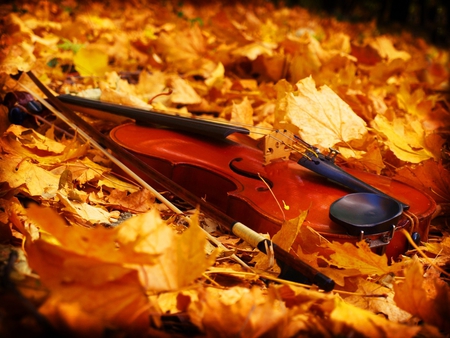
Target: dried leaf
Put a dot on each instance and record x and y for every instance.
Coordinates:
(347, 318)
(405, 138)
(91, 62)
(361, 258)
(320, 116)
(411, 296)
(250, 313)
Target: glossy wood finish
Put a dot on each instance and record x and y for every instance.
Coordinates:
(225, 173)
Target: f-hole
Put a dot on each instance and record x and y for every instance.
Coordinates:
(250, 174)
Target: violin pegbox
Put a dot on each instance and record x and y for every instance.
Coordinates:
(278, 145)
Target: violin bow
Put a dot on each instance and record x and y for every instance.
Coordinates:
(277, 144)
(292, 268)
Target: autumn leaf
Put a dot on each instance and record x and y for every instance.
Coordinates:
(250, 313)
(29, 144)
(183, 93)
(362, 258)
(347, 318)
(137, 202)
(33, 140)
(21, 173)
(430, 176)
(320, 116)
(18, 56)
(378, 297)
(181, 257)
(404, 137)
(385, 47)
(91, 62)
(411, 296)
(242, 113)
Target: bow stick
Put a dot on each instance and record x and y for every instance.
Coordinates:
(292, 268)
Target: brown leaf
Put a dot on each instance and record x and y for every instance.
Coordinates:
(321, 117)
(411, 296)
(361, 258)
(431, 176)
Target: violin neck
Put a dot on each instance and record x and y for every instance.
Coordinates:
(324, 165)
(191, 125)
(313, 160)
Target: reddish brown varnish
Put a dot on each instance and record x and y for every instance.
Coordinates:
(204, 167)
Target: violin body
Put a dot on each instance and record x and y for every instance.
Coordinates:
(230, 174)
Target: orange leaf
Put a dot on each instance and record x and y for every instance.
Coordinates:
(321, 116)
(361, 258)
(411, 296)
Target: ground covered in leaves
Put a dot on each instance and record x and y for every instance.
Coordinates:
(99, 256)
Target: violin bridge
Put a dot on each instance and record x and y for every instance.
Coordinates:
(278, 145)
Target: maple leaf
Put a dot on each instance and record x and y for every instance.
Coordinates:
(183, 93)
(91, 62)
(21, 173)
(19, 55)
(33, 140)
(89, 213)
(29, 142)
(361, 258)
(242, 113)
(181, 258)
(404, 137)
(431, 176)
(83, 286)
(377, 298)
(320, 116)
(416, 103)
(137, 202)
(411, 296)
(346, 318)
(250, 313)
(385, 47)
(370, 159)
(113, 182)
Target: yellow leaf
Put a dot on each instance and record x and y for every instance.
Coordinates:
(91, 62)
(404, 137)
(242, 113)
(347, 319)
(33, 180)
(181, 257)
(361, 258)
(183, 93)
(33, 140)
(217, 77)
(253, 50)
(238, 312)
(386, 49)
(320, 116)
(411, 296)
(377, 298)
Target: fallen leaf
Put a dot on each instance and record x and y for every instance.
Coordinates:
(385, 48)
(430, 176)
(250, 313)
(411, 296)
(362, 258)
(320, 116)
(91, 62)
(21, 173)
(404, 137)
(347, 318)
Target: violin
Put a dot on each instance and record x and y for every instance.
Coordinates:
(224, 166)
(219, 172)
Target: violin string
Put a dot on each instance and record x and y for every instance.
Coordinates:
(103, 150)
(138, 179)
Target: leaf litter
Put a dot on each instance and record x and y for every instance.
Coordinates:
(100, 255)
